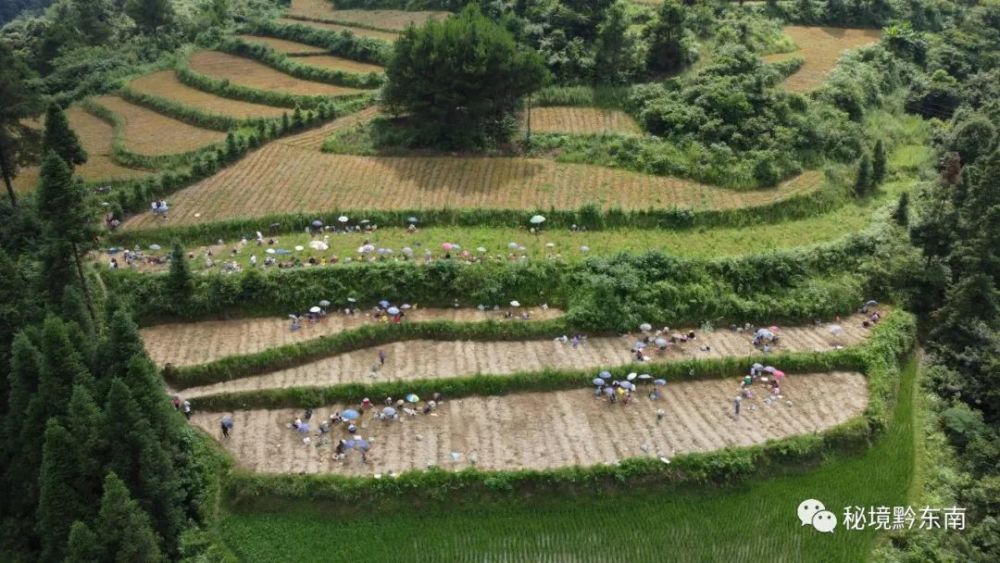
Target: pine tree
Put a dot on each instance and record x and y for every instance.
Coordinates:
(284, 122)
(150, 15)
(83, 545)
(123, 342)
(74, 309)
(85, 423)
(232, 150)
(65, 220)
(666, 50)
(124, 532)
(901, 215)
(180, 285)
(863, 181)
(18, 466)
(18, 141)
(60, 138)
(297, 121)
(879, 163)
(59, 502)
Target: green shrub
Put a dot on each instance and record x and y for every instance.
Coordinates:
(342, 44)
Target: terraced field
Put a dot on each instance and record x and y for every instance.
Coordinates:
(313, 138)
(150, 133)
(339, 63)
(290, 48)
(96, 136)
(582, 121)
(251, 74)
(165, 84)
(184, 344)
(284, 179)
(428, 359)
(821, 47)
(376, 19)
(549, 430)
(359, 31)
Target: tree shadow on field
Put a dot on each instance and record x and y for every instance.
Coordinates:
(466, 174)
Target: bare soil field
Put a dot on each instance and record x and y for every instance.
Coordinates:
(96, 136)
(359, 31)
(547, 430)
(428, 359)
(280, 179)
(166, 85)
(251, 74)
(339, 63)
(284, 46)
(821, 47)
(379, 19)
(582, 121)
(151, 133)
(184, 344)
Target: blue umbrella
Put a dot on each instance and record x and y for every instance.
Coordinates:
(660, 382)
(282, 251)
(362, 445)
(383, 303)
(604, 374)
(412, 398)
(598, 381)
(304, 427)
(389, 411)
(412, 220)
(393, 311)
(350, 414)
(227, 421)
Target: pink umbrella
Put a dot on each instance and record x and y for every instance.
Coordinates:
(446, 246)
(778, 374)
(775, 329)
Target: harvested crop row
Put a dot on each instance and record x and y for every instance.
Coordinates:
(582, 121)
(339, 63)
(96, 136)
(184, 344)
(283, 179)
(165, 84)
(360, 32)
(426, 359)
(283, 45)
(252, 74)
(381, 19)
(821, 47)
(548, 430)
(150, 133)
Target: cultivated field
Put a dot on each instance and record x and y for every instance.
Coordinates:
(184, 344)
(283, 179)
(284, 46)
(821, 47)
(582, 121)
(361, 32)
(251, 74)
(379, 19)
(549, 430)
(165, 84)
(429, 359)
(151, 133)
(339, 63)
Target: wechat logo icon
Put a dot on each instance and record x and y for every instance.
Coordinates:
(811, 512)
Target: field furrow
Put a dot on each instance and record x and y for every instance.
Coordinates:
(313, 181)
(165, 84)
(313, 138)
(821, 47)
(429, 359)
(582, 121)
(546, 430)
(184, 344)
(252, 74)
(283, 45)
(150, 133)
(359, 31)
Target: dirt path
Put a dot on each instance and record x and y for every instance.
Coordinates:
(184, 344)
(426, 359)
(564, 428)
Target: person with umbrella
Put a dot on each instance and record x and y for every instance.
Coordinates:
(227, 426)
(381, 357)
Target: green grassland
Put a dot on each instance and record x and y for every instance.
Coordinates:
(752, 521)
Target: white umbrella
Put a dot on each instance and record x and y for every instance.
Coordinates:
(631, 376)
(299, 248)
(584, 249)
(550, 245)
(319, 245)
(155, 247)
(324, 303)
(314, 309)
(515, 304)
(343, 219)
(270, 251)
(661, 342)
(836, 330)
(537, 220)
(481, 249)
(366, 248)
(645, 327)
(512, 245)
(407, 251)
